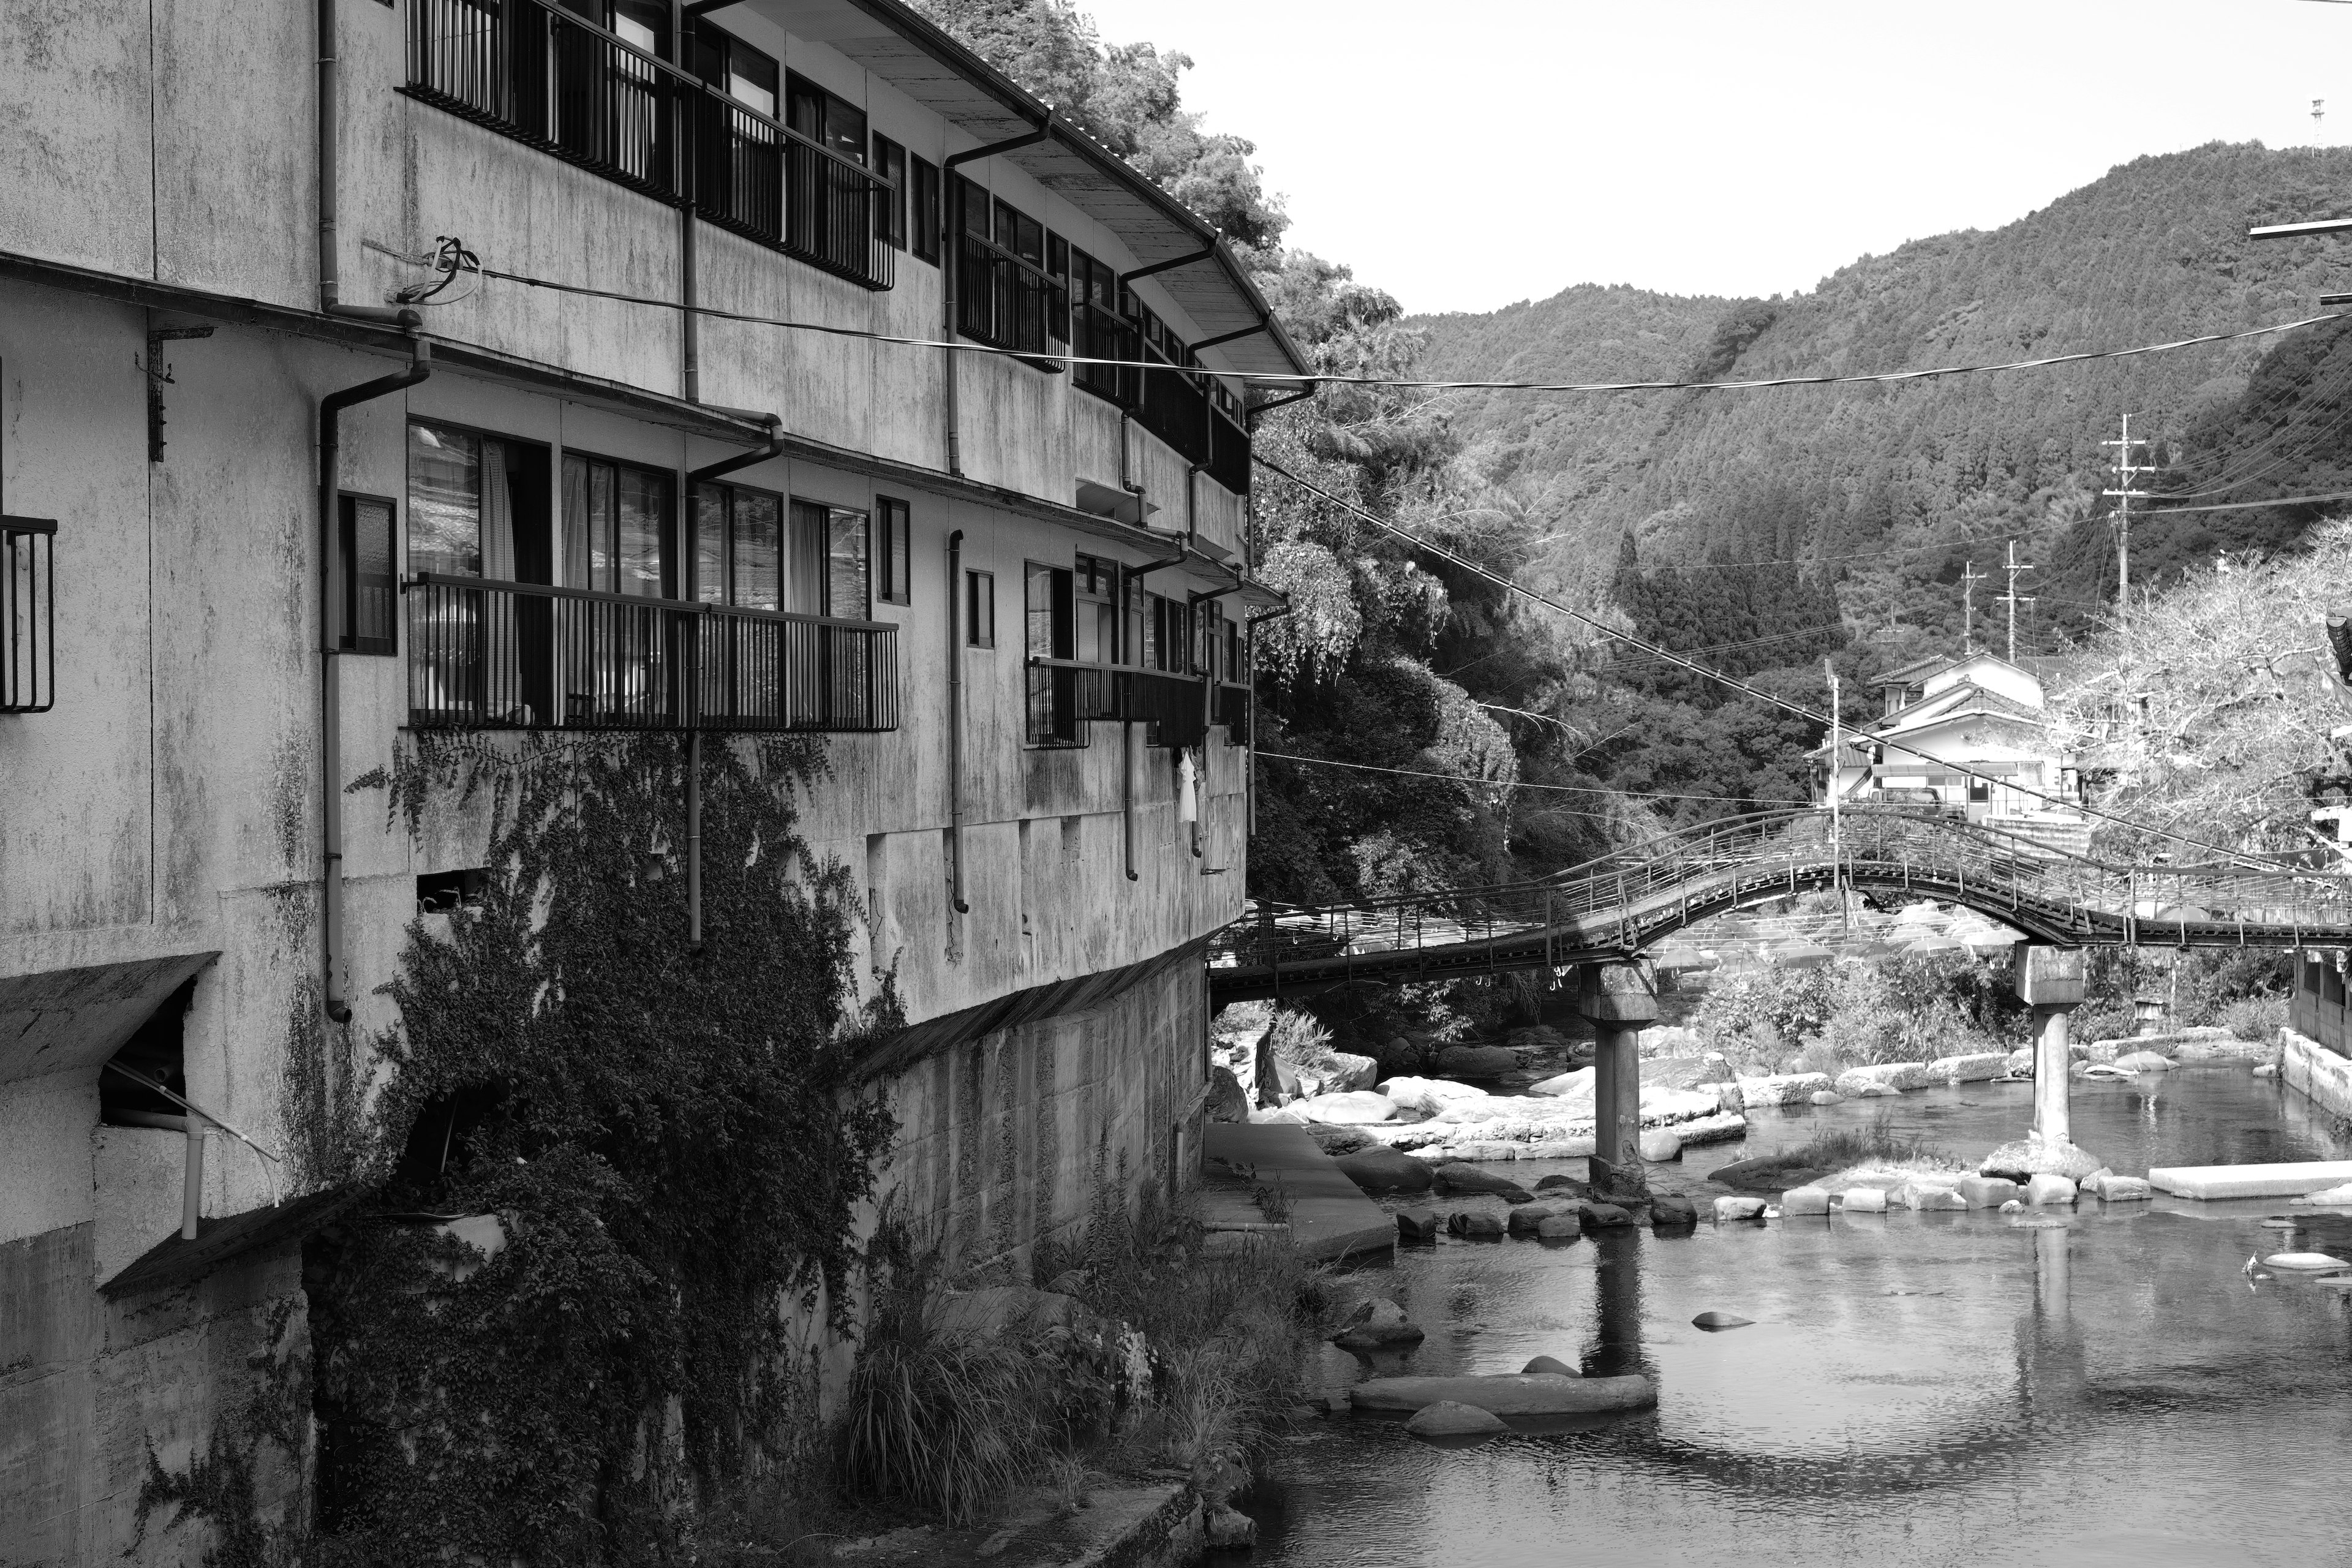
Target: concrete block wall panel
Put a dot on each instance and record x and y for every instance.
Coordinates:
(1014, 426)
(45, 1184)
(77, 120)
(52, 1322)
(178, 1367)
(1000, 1138)
(136, 1173)
(234, 177)
(822, 384)
(73, 439)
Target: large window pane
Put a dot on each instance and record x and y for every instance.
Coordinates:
(711, 545)
(848, 587)
(644, 521)
(445, 479)
(759, 551)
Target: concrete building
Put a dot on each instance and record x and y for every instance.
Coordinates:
(1966, 735)
(1009, 593)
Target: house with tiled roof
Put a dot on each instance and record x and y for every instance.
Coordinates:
(1966, 735)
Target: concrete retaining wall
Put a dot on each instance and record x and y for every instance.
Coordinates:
(2317, 1073)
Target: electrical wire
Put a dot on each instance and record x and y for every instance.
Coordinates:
(2247, 505)
(1736, 684)
(1314, 378)
(1500, 784)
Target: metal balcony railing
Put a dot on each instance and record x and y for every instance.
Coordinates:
(1005, 301)
(486, 654)
(1231, 708)
(1063, 693)
(28, 614)
(543, 75)
(1171, 404)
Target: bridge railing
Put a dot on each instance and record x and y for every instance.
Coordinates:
(1625, 897)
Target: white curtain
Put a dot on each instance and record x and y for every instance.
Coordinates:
(502, 670)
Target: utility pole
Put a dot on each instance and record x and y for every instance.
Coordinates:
(1837, 757)
(1970, 578)
(2125, 471)
(2012, 599)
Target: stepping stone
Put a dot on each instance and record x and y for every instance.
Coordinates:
(1716, 1322)
(1805, 1200)
(1448, 1418)
(1416, 1225)
(1509, 1393)
(2305, 1262)
(1865, 1200)
(1552, 1365)
(1987, 1192)
(1736, 1208)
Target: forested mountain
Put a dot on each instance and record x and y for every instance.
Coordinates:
(1891, 490)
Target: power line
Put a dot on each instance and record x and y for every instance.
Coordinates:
(1500, 784)
(2253, 505)
(1736, 684)
(1314, 378)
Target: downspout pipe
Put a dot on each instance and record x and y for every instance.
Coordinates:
(330, 693)
(950, 264)
(955, 723)
(695, 477)
(330, 266)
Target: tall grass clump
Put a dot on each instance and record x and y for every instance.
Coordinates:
(940, 1420)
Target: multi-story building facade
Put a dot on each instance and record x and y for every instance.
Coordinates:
(268, 522)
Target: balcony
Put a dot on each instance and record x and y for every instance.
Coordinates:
(1173, 404)
(1008, 302)
(495, 655)
(1064, 693)
(541, 75)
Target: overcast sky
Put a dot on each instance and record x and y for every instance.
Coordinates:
(1467, 155)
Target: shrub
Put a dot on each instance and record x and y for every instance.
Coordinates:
(944, 1421)
(2256, 1018)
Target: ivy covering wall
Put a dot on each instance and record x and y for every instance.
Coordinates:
(669, 1138)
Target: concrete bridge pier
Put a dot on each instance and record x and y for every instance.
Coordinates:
(2052, 981)
(1618, 1000)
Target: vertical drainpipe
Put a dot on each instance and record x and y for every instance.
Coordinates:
(329, 267)
(330, 696)
(1127, 794)
(955, 722)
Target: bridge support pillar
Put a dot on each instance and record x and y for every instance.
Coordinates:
(2052, 981)
(1618, 1000)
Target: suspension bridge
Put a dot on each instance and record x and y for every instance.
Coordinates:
(1612, 908)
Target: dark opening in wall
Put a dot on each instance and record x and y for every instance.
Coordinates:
(156, 1051)
(440, 892)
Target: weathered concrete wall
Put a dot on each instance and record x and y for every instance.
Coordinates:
(90, 1388)
(2317, 1073)
(1003, 1140)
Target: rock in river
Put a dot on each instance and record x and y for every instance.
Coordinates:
(2031, 1157)
(1416, 1225)
(2305, 1262)
(1449, 1418)
(1476, 1224)
(1556, 1183)
(2045, 1189)
(1660, 1146)
(1716, 1321)
(1384, 1169)
(1560, 1227)
(1378, 1325)
(1669, 1212)
(1550, 1365)
(1466, 1178)
(1605, 1217)
(1729, 1209)
(1509, 1393)
(1865, 1200)
(1477, 1061)
(1987, 1192)
(1805, 1200)
(1525, 1219)
(1230, 1529)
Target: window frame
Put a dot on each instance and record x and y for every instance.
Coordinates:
(979, 596)
(348, 639)
(546, 479)
(925, 224)
(889, 162)
(696, 591)
(894, 536)
(674, 569)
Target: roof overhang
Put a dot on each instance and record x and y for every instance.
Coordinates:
(921, 61)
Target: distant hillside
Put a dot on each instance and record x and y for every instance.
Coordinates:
(2155, 250)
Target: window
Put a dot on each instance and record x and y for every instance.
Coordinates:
(1057, 304)
(1051, 603)
(749, 76)
(980, 608)
(925, 217)
(615, 528)
(367, 584)
(892, 539)
(1095, 590)
(29, 613)
(1004, 297)
(1167, 633)
(890, 205)
(477, 508)
(739, 547)
(833, 124)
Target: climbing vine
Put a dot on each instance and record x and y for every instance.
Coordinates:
(670, 1140)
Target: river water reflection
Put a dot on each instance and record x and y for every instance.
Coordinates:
(2104, 1384)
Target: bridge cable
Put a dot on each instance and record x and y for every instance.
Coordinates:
(1797, 710)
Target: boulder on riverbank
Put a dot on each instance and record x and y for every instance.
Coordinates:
(2143, 1061)
(1381, 1169)
(1898, 1076)
(1509, 1393)
(1477, 1061)
(1979, 1066)
(1782, 1089)
(1349, 1108)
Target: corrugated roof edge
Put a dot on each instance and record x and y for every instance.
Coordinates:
(937, 42)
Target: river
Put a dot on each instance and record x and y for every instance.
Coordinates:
(2103, 1385)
